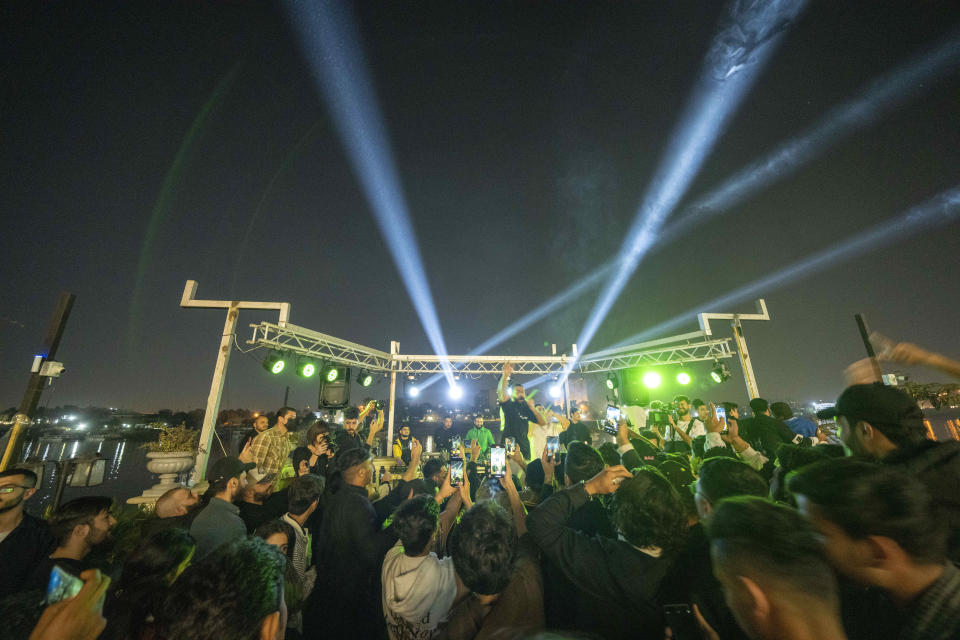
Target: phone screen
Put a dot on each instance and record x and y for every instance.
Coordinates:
(62, 585)
(456, 472)
(682, 623)
(498, 462)
(510, 444)
(455, 443)
(553, 446)
(721, 413)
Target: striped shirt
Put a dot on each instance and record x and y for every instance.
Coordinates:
(936, 613)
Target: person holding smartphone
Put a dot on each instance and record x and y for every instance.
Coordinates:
(402, 446)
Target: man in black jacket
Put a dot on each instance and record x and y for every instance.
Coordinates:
(883, 423)
(627, 572)
(352, 543)
(25, 541)
(764, 432)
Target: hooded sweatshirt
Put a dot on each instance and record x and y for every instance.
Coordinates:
(417, 593)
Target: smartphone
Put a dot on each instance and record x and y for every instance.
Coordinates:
(455, 443)
(682, 623)
(510, 444)
(456, 472)
(498, 462)
(721, 413)
(553, 447)
(62, 585)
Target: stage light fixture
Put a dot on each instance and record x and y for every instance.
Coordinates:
(651, 379)
(456, 392)
(720, 372)
(683, 378)
(612, 381)
(274, 363)
(555, 391)
(413, 391)
(306, 369)
(365, 378)
(332, 373)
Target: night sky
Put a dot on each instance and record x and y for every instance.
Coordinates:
(144, 144)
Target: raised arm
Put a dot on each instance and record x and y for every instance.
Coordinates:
(519, 512)
(504, 380)
(375, 427)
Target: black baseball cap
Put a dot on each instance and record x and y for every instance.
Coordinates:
(226, 468)
(876, 403)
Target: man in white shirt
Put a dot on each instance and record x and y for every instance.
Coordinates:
(685, 427)
(418, 587)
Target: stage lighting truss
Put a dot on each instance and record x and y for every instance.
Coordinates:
(291, 339)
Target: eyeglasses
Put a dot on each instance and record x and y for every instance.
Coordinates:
(10, 487)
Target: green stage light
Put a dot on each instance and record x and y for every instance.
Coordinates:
(306, 369)
(274, 363)
(716, 377)
(683, 378)
(365, 378)
(332, 373)
(651, 379)
(720, 372)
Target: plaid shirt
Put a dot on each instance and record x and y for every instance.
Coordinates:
(270, 450)
(936, 614)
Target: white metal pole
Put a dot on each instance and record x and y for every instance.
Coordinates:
(216, 391)
(745, 362)
(394, 350)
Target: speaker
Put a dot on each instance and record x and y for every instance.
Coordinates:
(632, 390)
(336, 394)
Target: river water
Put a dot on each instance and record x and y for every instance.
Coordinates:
(125, 475)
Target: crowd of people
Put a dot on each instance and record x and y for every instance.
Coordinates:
(705, 525)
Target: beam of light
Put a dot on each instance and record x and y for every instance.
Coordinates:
(287, 161)
(171, 182)
(738, 55)
(882, 95)
(879, 98)
(942, 209)
(331, 45)
(571, 293)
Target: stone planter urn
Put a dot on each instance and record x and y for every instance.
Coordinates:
(168, 465)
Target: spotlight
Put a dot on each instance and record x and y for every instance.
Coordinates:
(612, 381)
(456, 392)
(332, 373)
(413, 391)
(365, 378)
(306, 369)
(274, 362)
(411, 377)
(720, 372)
(456, 376)
(651, 379)
(555, 391)
(683, 378)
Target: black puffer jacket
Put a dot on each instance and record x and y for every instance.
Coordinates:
(937, 465)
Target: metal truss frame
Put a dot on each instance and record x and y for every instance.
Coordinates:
(693, 347)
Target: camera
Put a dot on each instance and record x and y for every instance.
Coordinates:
(658, 418)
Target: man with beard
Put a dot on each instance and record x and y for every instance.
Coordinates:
(260, 424)
(25, 540)
(517, 412)
(77, 527)
(219, 522)
(350, 438)
(402, 446)
(685, 428)
(270, 449)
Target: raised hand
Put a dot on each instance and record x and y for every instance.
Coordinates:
(76, 618)
(608, 480)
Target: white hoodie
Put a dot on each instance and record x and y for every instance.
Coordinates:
(417, 593)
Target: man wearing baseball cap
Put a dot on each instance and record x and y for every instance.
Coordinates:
(883, 423)
(219, 521)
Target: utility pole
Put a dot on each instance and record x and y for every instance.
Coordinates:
(223, 359)
(38, 378)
